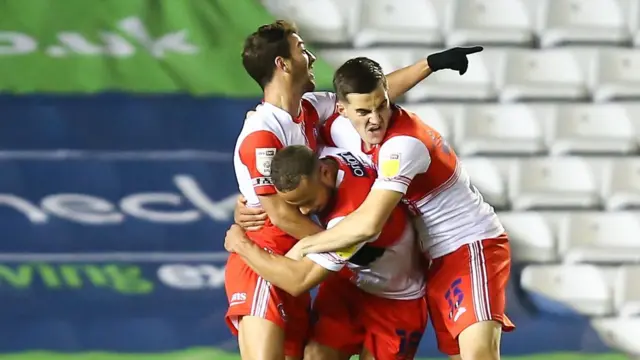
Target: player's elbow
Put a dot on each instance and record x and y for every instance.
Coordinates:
(297, 290)
(369, 229)
(295, 286)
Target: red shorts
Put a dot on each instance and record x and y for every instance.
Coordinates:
(347, 318)
(251, 295)
(466, 287)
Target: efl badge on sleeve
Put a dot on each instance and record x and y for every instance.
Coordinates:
(390, 167)
(347, 253)
(263, 160)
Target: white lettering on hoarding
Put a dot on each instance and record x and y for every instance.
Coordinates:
(132, 31)
(160, 207)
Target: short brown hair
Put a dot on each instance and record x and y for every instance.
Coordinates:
(290, 165)
(360, 75)
(262, 48)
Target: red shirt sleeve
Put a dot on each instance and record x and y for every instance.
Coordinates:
(256, 152)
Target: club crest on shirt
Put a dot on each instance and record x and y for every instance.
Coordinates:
(263, 160)
(390, 167)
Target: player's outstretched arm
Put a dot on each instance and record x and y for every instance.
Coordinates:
(400, 159)
(357, 228)
(294, 277)
(403, 80)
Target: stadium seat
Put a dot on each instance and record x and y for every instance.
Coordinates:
(620, 333)
(593, 21)
(553, 74)
(592, 129)
(485, 176)
(627, 291)
(617, 75)
(566, 284)
(621, 184)
(478, 83)
(433, 117)
(498, 129)
(320, 21)
(554, 183)
(390, 59)
(607, 237)
(393, 22)
(530, 235)
(472, 22)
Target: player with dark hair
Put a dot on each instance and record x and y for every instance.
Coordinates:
(377, 300)
(270, 323)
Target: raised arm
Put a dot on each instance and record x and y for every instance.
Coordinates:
(400, 160)
(403, 80)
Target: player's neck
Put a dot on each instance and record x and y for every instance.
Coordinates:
(283, 96)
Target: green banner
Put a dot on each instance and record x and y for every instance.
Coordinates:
(212, 354)
(148, 46)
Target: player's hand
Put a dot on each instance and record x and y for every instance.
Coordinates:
(251, 219)
(235, 237)
(296, 252)
(453, 59)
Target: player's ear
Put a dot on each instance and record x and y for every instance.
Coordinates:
(341, 109)
(281, 64)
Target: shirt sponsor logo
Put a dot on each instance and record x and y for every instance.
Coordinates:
(356, 166)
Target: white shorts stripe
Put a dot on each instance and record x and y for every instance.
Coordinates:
(479, 282)
(261, 297)
(485, 280)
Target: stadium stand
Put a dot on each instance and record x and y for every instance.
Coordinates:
(545, 126)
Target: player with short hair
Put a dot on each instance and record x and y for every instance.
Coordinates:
(276, 58)
(461, 233)
(377, 302)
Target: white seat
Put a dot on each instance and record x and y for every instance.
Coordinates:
(617, 75)
(477, 83)
(621, 184)
(474, 22)
(627, 291)
(607, 237)
(575, 21)
(592, 129)
(319, 21)
(553, 74)
(433, 117)
(530, 235)
(553, 183)
(498, 129)
(393, 22)
(620, 333)
(486, 177)
(567, 284)
(390, 59)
